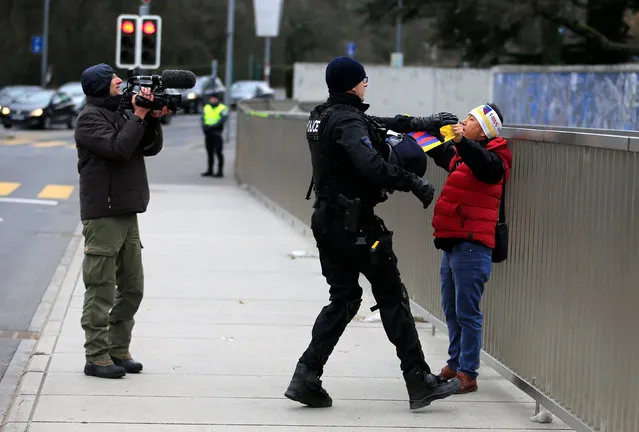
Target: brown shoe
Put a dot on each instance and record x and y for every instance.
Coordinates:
(447, 373)
(468, 384)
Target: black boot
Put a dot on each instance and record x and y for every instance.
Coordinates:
(424, 388)
(130, 365)
(306, 388)
(219, 173)
(207, 174)
(104, 369)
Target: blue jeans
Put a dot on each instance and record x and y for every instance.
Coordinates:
(464, 271)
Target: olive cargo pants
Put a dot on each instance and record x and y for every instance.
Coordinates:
(114, 281)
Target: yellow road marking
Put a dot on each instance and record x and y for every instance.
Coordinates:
(56, 192)
(8, 188)
(44, 144)
(14, 141)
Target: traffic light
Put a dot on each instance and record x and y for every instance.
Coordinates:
(126, 40)
(151, 28)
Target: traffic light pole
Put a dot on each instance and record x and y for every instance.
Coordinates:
(45, 45)
(143, 11)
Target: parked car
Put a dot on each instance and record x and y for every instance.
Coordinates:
(242, 90)
(41, 108)
(193, 99)
(74, 89)
(8, 94)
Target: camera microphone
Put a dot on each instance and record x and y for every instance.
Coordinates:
(178, 79)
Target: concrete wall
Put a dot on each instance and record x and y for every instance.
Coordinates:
(411, 90)
(604, 97)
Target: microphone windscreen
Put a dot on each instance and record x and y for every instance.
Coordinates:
(179, 79)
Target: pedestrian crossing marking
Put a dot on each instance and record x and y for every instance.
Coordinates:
(45, 144)
(56, 192)
(6, 188)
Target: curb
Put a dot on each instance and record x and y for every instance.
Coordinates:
(33, 355)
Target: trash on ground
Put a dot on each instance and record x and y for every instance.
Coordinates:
(542, 416)
(375, 317)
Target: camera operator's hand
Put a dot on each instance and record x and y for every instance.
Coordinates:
(159, 113)
(138, 110)
(423, 190)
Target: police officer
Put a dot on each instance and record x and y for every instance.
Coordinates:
(350, 177)
(214, 117)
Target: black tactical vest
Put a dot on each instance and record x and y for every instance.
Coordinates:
(332, 171)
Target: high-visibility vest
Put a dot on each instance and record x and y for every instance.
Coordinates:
(213, 115)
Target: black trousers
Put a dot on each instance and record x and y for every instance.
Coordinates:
(214, 144)
(342, 260)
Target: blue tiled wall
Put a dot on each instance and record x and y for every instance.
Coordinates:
(574, 99)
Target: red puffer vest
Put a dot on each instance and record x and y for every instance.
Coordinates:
(467, 208)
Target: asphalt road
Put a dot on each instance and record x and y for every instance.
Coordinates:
(39, 209)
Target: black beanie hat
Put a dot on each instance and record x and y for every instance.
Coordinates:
(343, 73)
(96, 80)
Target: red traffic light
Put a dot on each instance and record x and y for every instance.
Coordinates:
(148, 27)
(128, 27)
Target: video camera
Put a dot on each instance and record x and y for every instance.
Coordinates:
(170, 79)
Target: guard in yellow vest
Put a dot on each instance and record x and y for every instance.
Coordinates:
(214, 117)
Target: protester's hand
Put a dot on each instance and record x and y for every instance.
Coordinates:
(458, 130)
(159, 113)
(138, 110)
(423, 190)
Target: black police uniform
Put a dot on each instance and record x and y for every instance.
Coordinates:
(350, 177)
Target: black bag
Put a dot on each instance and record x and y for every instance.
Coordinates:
(500, 252)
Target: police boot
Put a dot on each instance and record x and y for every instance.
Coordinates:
(104, 369)
(423, 388)
(306, 388)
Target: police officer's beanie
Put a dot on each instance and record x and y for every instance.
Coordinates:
(343, 73)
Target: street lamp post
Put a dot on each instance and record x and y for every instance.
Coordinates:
(228, 74)
(398, 40)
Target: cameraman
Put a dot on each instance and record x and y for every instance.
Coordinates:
(111, 146)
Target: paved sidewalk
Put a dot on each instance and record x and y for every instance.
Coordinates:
(226, 314)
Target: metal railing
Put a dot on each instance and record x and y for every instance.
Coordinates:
(561, 315)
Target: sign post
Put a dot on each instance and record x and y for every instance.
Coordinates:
(268, 14)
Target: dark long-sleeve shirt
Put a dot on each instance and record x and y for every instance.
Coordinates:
(487, 166)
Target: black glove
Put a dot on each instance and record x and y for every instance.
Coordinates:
(433, 122)
(423, 190)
